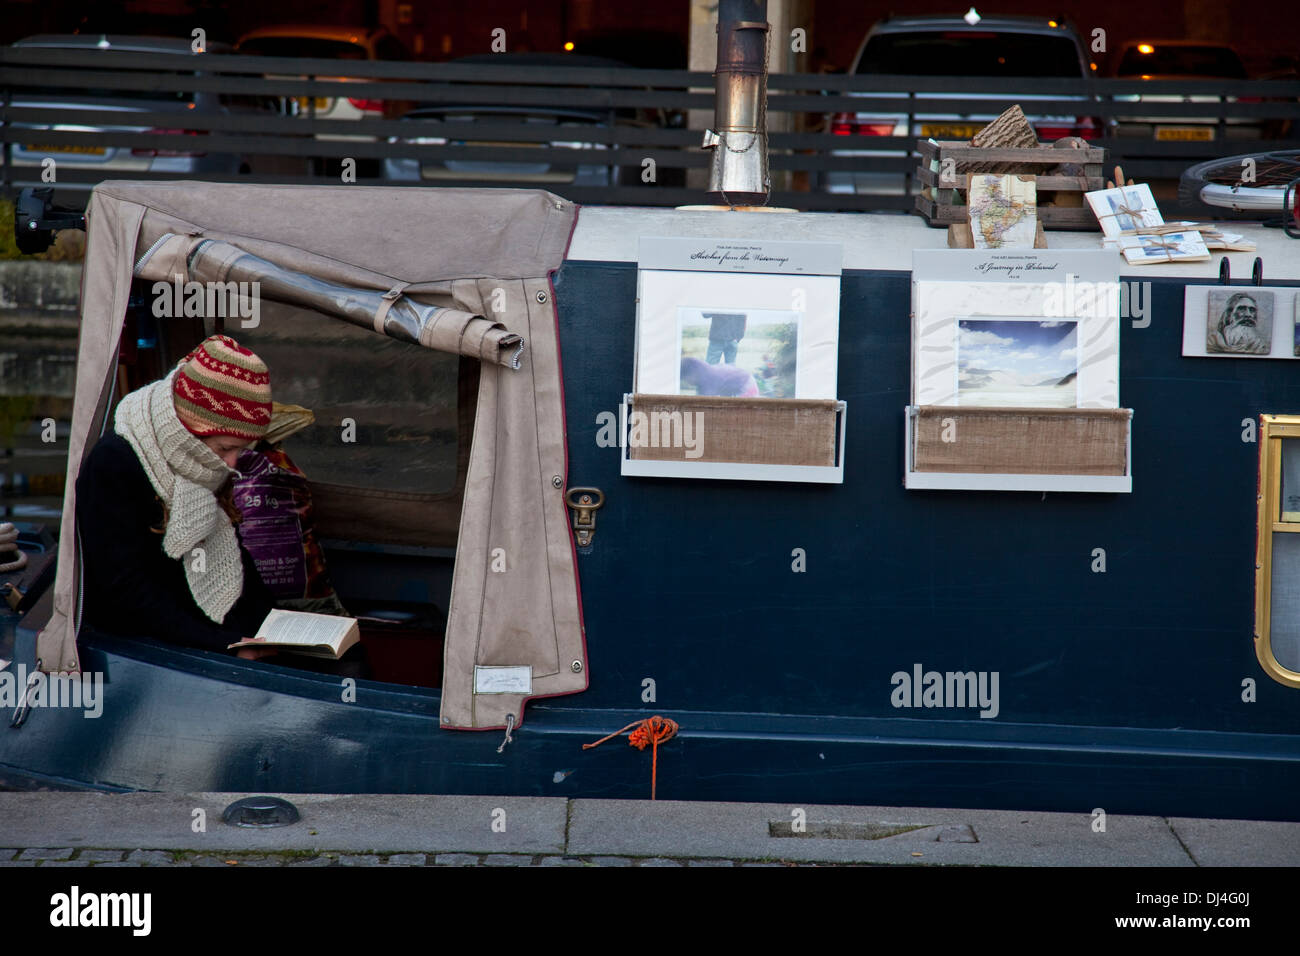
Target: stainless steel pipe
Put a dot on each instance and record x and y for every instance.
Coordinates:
(738, 173)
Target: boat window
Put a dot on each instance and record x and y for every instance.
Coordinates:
(386, 458)
(385, 410)
(1277, 583)
(388, 452)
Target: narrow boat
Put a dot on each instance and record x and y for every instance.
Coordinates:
(526, 587)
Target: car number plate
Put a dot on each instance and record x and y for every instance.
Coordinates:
(950, 130)
(83, 150)
(1185, 134)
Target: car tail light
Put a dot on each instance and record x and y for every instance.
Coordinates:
(155, 151)
(1054, 132)
(1084, 127)
(367, 106)
(843, 124)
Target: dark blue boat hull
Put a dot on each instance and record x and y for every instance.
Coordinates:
(1120, 690)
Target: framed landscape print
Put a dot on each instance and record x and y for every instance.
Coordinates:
(1015, 328)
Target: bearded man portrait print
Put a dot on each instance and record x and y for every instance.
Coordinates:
(1240, 322)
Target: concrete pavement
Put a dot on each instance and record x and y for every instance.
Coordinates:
(160, 829)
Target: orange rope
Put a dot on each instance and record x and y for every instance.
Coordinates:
(653, 731)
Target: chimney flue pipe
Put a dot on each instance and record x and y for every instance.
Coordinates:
(738, 174)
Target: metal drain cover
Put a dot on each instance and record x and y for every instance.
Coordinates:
(260, 812)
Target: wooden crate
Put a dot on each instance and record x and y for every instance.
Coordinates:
(939, 209)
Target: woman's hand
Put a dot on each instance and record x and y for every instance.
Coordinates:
(254, 653)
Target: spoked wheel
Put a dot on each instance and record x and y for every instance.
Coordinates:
(1248, 186)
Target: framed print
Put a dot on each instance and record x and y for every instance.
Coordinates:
(1241, 321)
(738, 318)
(1016, 329)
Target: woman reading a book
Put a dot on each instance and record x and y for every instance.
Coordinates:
(155, 512)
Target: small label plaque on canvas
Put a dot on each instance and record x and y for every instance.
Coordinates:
(503, 680)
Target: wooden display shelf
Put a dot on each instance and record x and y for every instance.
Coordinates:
(1054, 449)
(939, 209)
(747, 439)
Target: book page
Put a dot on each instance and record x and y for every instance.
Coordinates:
(303, 629)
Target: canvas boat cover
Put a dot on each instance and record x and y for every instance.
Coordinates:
(460, 270)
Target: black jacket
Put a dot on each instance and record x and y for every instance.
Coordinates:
(131, 586)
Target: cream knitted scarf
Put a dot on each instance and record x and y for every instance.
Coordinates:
(186, 474)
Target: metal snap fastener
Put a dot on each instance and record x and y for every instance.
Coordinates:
(576, 667)
(541, 296)
(557, 481)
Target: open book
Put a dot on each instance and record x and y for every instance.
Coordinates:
(297, 632)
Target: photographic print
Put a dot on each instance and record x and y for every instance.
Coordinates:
(1168, 247)
(1239, 322)
(737, 352)
(1018, 362)
(780, 331)
(1124, 209)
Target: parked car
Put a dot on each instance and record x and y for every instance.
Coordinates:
(328, 43)
(1026, 48)
(1182, 60)
(537, 126)
(118, 107)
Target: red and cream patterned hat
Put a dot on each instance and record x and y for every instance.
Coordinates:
(221, 388)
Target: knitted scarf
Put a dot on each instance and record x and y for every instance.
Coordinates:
(185, 473)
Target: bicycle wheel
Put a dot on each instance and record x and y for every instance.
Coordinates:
(1216, 190)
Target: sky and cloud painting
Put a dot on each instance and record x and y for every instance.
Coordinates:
(1018, 363)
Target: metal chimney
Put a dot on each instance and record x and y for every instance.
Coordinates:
(738, 174)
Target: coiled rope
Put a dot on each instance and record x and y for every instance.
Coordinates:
(651, 731)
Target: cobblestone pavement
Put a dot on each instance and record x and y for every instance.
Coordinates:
(69, 856)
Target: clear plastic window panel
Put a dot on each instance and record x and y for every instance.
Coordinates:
(1284, 612)
(1290, 493)
(399, 398)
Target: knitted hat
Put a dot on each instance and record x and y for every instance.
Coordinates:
(221, 388)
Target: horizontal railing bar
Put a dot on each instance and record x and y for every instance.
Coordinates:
(445, 93)
(641, 193)
(507, 72)
(855, 150)
(301, 125)
(361, 69)
(598, 100)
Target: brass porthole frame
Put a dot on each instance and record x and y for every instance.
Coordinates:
(1273, 428)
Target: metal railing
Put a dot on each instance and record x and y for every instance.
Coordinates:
(626, 122)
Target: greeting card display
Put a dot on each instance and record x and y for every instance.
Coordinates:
(739, 339)
(1015, 372)
(738, 318)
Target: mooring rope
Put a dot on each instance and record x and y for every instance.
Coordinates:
(653, 731)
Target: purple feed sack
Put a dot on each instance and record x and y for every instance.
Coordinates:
(720, 379)
(274, 498)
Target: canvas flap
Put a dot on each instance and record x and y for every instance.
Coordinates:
(379, 239)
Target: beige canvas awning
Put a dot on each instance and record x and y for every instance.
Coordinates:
(463, 271)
